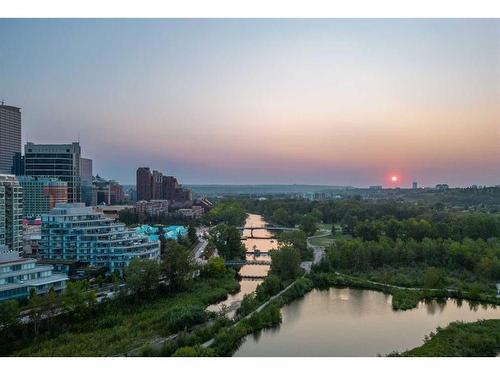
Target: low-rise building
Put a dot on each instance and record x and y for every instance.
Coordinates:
(79, 233)
(18, 276)
(31, 239)
(113, 211)
(194, 212)
(154, 207)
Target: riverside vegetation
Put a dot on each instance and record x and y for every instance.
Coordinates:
(478, 339)
(73, 324)
(412, 252)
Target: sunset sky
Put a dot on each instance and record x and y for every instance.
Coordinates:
(340, 102)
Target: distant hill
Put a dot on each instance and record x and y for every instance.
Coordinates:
(228, 190)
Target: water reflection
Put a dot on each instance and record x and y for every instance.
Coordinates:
(265, 242)
(353, 322)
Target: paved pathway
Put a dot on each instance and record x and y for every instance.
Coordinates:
(318, 251)
(258, 309)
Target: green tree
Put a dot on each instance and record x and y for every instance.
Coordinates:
(308, 224)
(178, 266)
(51, 303)
(269, 287)
(297, 239)
(317, 214)
(215, 267)
(35, 311)
(77, 300)
(9, 313)
(433, 278)
(366, 230)
(281, 216)
(285, 262)
(163, 240)
(227, 240)
(185, 351)
(192, 236)
(229, 213)
(141, 276)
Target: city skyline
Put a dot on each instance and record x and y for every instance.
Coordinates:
(333, 102)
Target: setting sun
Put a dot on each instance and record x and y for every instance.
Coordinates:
(394, 178)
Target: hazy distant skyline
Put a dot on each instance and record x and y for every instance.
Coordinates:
(334, 102)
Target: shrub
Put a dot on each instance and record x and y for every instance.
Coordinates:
(184, 316)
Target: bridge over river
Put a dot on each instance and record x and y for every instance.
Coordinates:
(266, 227)
(243, 262)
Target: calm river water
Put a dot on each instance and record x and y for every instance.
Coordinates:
(351, 322)
(264, 244)
(340, 322)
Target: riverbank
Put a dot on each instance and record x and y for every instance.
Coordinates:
(404, 298)
(458, 339)
(118, 327)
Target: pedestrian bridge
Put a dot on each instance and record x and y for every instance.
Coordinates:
(269, 228)
(253, 277)
(242, 262)
(258, 252)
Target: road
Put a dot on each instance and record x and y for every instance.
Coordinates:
(318, 252)
(201, 245)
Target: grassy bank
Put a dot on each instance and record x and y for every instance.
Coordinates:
(118, 326)
(229, 339)
(228, 335)
(478, 339)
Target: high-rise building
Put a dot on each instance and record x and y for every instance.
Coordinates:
(116, 192)
(86, 180)
(10, 138)
(74, 232)
(170, 185)
(157, 188)
(11, 213)
(144, 184)
(61, 161)
(414, 186)
(85, 171)
(41, 194)
(101, 192)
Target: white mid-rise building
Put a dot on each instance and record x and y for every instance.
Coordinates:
(74, 232)
(18, 276)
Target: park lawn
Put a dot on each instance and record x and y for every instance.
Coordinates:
(118, 330)
(324, 228)
(322, 241)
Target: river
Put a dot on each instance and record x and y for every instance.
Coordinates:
(264, 243)
(352, 322)
(339, 322)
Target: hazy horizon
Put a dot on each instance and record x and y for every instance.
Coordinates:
(246, 102)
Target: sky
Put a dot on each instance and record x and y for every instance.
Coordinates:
(245, 101)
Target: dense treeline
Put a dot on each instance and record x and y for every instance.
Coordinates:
(229, 213)
(370, 219)
(430, 263)
(456, 226)
(290, 212)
